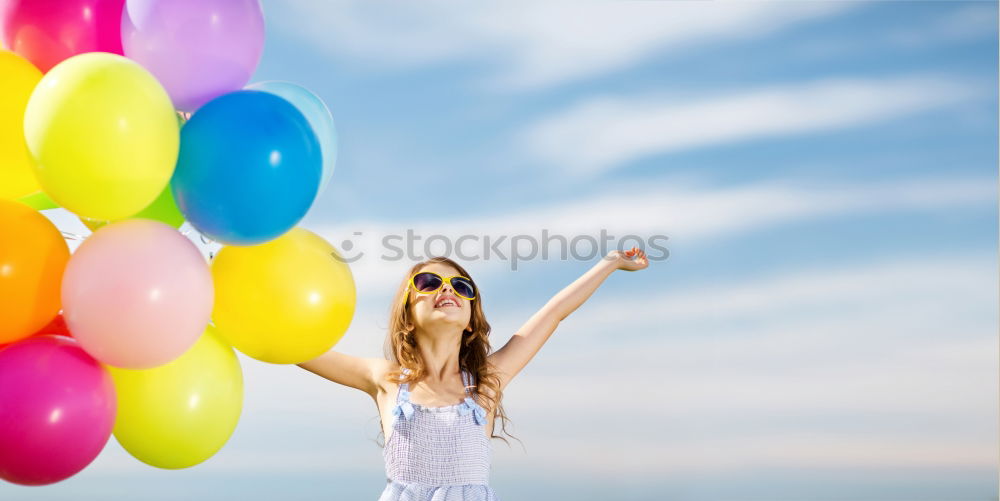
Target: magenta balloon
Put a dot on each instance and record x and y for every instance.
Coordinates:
(137, 294)
(198, 49)
(57, 409)
(46, 32)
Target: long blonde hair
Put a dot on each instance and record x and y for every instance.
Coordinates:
(401, 346)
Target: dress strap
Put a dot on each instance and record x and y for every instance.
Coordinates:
(403, 407)
(470, 404)
(404, 388)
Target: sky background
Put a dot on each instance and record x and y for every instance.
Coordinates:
(824, 328)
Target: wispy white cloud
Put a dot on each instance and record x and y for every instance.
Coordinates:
(961, 23)
(954, 284)
(889, 364)
(969, 22)
(807, 322)
(602, 133)
(687, 211)
(535, 44)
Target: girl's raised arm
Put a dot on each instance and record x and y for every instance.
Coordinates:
(348, 370)
(526, 342)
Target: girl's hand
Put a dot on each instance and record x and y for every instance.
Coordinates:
(631, 260)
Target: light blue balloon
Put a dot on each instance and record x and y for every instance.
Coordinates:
(318, 115)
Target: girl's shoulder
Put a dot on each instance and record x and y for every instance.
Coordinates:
(381, 371)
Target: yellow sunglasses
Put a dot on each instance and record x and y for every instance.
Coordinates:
(428, 282)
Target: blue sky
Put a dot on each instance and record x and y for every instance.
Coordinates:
(825, 326)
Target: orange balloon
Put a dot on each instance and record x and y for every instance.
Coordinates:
(33, 255)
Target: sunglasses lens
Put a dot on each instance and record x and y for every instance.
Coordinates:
(463, 287)
(426, 282)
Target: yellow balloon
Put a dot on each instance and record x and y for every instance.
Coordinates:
(17, 176)
(286, 301)
(181, 413)
(103, 134)
(164, 208)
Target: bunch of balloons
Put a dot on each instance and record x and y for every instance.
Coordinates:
(136, 116)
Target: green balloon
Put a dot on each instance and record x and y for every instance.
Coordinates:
(162, 209)
(38, 201)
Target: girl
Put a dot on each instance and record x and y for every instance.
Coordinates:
(438, 353)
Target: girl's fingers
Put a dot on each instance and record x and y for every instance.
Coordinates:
(636, 255)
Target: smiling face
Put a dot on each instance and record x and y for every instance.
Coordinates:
(443, 307)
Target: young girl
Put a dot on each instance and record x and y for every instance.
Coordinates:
(438, 352)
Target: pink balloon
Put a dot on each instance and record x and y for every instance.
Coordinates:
(137, 294)
(57, 409)
(46, 32)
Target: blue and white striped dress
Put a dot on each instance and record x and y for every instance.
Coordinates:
(437, 453)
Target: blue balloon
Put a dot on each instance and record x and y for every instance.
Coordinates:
(316, 113)
(249, 168)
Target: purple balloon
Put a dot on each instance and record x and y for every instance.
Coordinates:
(57, 409)
(198, 49)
